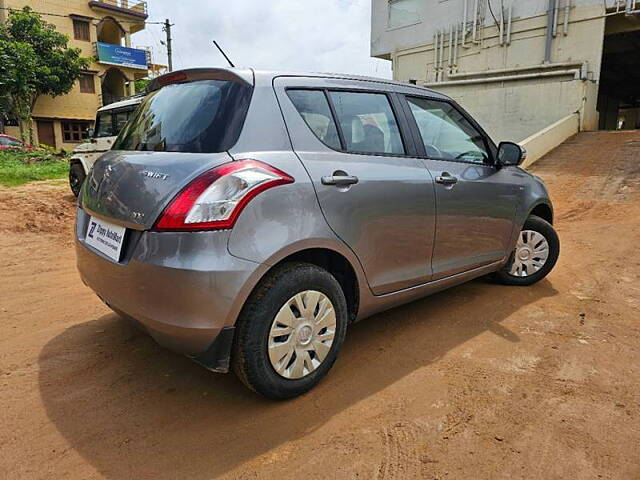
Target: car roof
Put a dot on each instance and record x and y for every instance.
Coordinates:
(123, 103)
(9, 136)
(266, 77)
(337, 76)
(373, 83)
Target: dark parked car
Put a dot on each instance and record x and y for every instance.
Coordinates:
(246, 218)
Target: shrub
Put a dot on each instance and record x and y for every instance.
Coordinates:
(19, 166)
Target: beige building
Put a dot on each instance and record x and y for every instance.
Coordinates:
(102, 30)
(519, 66)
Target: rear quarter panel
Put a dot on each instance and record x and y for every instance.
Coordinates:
(284, 220)
(287, 219)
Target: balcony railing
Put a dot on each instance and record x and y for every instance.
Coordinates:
(131, 7)
(629, 7)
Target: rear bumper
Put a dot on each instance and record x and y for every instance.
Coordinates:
(183, 288)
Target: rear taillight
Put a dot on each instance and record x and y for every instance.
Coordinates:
(214, 200)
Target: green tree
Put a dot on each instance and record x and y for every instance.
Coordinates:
(17, 77)
(141, 84)
(35, 60)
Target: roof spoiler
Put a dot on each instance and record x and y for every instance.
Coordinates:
(193, 74)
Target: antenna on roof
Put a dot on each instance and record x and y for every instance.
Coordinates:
(223, 54)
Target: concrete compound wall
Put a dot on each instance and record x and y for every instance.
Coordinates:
(515, 110)
(542, 142)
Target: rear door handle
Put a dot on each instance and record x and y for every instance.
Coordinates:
(339, 180)
(446, 179)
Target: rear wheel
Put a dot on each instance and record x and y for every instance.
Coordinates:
(535, 254)
(76, 177)
(290, 331)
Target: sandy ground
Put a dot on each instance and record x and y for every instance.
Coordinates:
(481, 381)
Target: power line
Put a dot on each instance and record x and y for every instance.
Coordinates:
(158, 43)
(491, 11)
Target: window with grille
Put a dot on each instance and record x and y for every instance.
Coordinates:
(81, 30)
(74, 132)
(87, 84)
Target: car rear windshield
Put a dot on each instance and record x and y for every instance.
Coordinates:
(198, 117)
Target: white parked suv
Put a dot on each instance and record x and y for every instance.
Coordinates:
(109, 121)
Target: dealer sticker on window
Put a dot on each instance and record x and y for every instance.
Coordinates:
(105, 237)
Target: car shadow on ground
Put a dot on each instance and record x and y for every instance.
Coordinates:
(135, 410)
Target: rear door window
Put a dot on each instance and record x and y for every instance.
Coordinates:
(204, 116)
(314, 109)
(367, 122)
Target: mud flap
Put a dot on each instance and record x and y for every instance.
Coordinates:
(217, 357)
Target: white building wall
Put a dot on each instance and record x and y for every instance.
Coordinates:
(438, 14)
(515, 110)
(510, 109)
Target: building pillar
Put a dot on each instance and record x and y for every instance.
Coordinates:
(127, 39)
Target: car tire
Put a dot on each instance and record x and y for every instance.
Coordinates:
(526, 270)
(76, 177)
(258, 346)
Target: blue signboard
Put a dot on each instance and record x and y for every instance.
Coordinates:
(123, 56)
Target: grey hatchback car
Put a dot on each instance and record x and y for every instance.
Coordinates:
(246, 218)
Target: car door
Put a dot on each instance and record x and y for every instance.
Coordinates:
(374, 193)
(475, 200)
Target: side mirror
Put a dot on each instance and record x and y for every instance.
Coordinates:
(90, 132)
(510, 153)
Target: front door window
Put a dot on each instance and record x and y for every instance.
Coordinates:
(475, 202)
(446, 133)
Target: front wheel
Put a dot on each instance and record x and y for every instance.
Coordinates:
(290, 331)
(535, 255)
